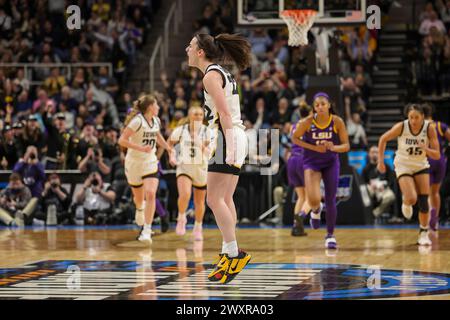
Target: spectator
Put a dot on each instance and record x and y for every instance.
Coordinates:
(33, 135)
(59, 146)
(95, 200)
(426, 73)
(380, 186)
(54, 194)
(444, 10)
(431, 21)
(282, 115)
(109, 145)
(94, 162)
(32, 171)
(356, 132)
(260, 42)
(16, 204)
(9, 153)
(54, 83)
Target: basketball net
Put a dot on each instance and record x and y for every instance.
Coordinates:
(299, 22)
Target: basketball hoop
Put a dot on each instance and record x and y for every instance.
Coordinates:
(299, 22)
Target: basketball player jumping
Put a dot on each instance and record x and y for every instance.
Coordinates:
(223, 114)
(192, 169)
(322, 136)
(140, 137)
(437, 167)
(416, 140)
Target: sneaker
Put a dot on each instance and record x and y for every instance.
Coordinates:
(330, 242)
(219, 269)
(407, 211)
(298, 230)
(424, 239)
(315, 219)
(197, 232)
(236, 265)
(165, 223)
(139, 217)
(145, 236)
(181, 225)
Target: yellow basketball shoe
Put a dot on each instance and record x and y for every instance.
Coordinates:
(236, 265)
(220, 268)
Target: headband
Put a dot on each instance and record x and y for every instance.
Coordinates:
(321, 94)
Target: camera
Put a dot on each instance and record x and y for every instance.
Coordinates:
(32, 156)
(54, 185)
(95, 182)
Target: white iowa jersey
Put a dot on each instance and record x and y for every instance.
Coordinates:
(408, 151)
(231, 97)
(190, 150)
(145, 135)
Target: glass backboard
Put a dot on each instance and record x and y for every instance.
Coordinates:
(267, 12)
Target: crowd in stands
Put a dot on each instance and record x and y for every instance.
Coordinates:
(51, 118)
(71, 122)
(432, 62)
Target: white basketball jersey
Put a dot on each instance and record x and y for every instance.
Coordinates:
(145, 135)
(231, 97)
(408, 151)
(190, 150)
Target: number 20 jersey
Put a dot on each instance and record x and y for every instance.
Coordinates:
(145, 134)
(231, 98)
(408, 152)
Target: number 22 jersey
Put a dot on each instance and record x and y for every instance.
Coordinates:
(231, 97)
(145, 134)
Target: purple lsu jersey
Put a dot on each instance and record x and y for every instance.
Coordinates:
(295, 174)
(438, 167)
(296, 150)
(314, 136)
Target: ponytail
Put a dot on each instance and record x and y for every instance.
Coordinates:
(225, 47)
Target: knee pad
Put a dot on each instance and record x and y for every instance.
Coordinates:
(423, 203)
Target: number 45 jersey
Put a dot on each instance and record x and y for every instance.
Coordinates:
(231, 98)
(145, 134)
(410, 159)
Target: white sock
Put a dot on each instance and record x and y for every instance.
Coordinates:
(315, 215)
(198, 224)
(223, 247)
(181, 215)
(318, 210)
(147, 226)
(231, 248)
(424, 228)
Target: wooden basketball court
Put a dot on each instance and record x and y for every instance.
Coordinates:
(90, 263)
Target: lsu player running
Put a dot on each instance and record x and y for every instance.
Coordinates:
(322, 136)
(192, 169)
(437, 167)
(140, 137)
(296, 179)
(416, 140)
(228, 139)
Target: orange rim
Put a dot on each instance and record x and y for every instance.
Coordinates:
(300, 16)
